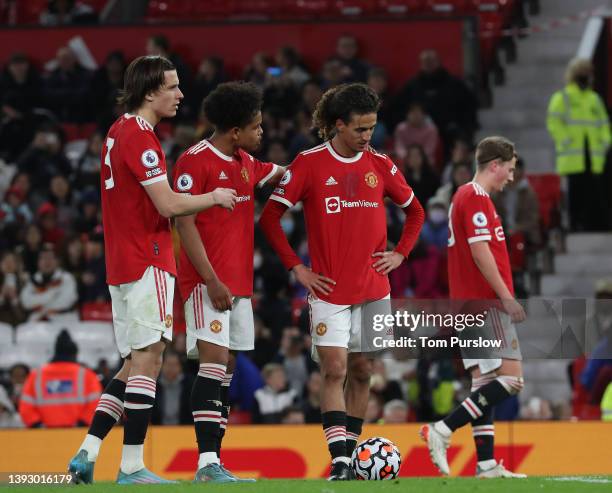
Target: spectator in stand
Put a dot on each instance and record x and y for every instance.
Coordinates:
(50, 290)
(519, 208)
(379, 82)
(395, 412)
(290, 63)
(374, 410)
(311, 93)
(332, 74)
(74, 260)
(9, 417)
(277, 153)
(22, 81)
(18, 374)
(210, 74)
(597, 374)
(381, 386)
(106, 83)
(281, 97)
(294, 359)
(420, 174)
(93, 279)
(21, 88)
(435, 229)
(305, 137)
(293, 416)
(47, 220)
(265, 346)
(15, 214)
(462, 173)
(183, 138)
(66, 89)
(12, 280)
(579, 125)
(462, 152)
(312, 398)
(173, 395)
(61, 393)
(347, 51)
(60, 196)
(30, 249)
(257, 71)
(66, 12)
(89, 208)
(449, 101)
(274, 398)
(247, 379)
(418, 129)
(87, 172)
(423, 276)
(43, 160)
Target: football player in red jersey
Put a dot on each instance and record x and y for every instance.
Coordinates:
(342, 184)
(216, 263)
(137, 202)
(479, 269)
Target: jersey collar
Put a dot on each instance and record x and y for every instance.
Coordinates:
(479, 188)
(140, 119)
(219, 153)
(353, 159)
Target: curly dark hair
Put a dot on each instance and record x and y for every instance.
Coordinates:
(342, 102)
(232, 104)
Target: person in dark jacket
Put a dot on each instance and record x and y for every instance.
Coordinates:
(172, 400)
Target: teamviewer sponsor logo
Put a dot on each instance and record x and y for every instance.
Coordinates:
(332, 205)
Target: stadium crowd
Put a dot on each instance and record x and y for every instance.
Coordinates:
(51, 243)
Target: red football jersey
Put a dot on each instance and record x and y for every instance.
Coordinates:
(345, 216)
(472, 218)
(228, 236)
(136, 235)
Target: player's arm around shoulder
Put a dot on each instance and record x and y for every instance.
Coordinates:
(172, 203)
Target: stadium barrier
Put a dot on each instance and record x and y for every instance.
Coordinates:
(534, 448)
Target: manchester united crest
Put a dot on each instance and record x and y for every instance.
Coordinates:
(168, 321)
(216, 326)
(371, 179)
(321, 329)
(244, 173)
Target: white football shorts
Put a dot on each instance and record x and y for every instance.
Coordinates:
(142, 310)
(233, 329)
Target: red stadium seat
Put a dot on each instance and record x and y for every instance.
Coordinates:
(403, 7)
(214, 9)
(307, 8)
(100, 312)
(355, 8)
(169, 9)
(448, 7)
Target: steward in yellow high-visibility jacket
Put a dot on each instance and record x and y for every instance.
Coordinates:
(576, 115)
(578, 122)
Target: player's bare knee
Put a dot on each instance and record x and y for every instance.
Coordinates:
(333, 371)
(360, 372)
(511, 383)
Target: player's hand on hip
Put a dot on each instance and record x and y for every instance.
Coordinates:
(225, 197)
(219, 294)
(515, 310)
(313, 282)
(387, 261)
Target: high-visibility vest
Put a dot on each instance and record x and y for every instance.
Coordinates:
(606, 404)
(573, 116)
(60, 394)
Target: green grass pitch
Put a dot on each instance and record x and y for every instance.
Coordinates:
(574, 484)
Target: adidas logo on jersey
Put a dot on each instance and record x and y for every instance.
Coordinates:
(331, 181)
(222, 176)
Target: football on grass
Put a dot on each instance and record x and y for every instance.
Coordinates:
(376, 459)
